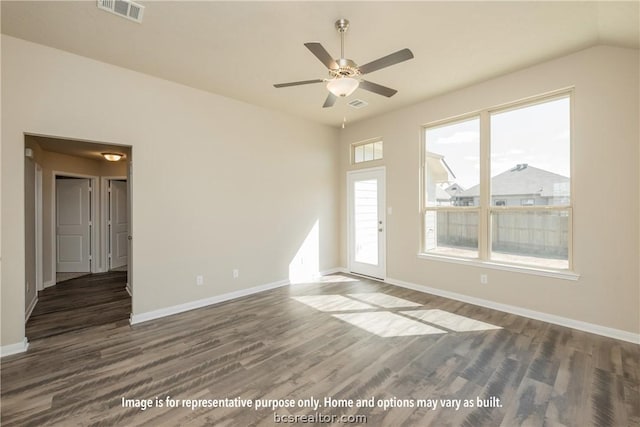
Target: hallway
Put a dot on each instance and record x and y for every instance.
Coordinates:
(80, 303)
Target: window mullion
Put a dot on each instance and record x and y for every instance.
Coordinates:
(485, 198)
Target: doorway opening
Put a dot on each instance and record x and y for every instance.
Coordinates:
(77, 234)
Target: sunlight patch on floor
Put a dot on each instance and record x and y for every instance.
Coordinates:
(384, 300)
(388, 316)
(332, 303)
(450, 321)
(385, 324)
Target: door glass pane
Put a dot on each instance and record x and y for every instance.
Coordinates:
(535, 237)
(451, 233)
(530, 155)
(366, 221)
(359, 154)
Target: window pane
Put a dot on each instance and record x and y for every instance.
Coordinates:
(377, 150)
(359, 154)
(368, 152)
(535, 238)
(530, 155)
(366, 221)
(452, 164)
(451, 233)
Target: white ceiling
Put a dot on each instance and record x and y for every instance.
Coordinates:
(73, 147)
(239, 49)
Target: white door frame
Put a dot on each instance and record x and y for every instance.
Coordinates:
(104, 223)
(92, 218)
(39, 266)
(382, 241)
(130, 219)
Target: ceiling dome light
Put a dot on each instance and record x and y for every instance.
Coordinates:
(342, 86)
(112, 157)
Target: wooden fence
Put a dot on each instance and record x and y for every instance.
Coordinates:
(522, 233)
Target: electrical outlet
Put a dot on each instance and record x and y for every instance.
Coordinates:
(236, 273)
(199, 280)
(484, 279)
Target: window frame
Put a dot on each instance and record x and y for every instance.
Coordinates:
(372, 141)
(485, 209)
(423, 190)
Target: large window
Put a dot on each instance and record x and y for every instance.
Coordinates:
(497, 185)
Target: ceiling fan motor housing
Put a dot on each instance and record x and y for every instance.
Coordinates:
(346, 68)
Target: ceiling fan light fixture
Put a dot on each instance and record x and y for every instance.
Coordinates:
(342, 86)
(112, 157)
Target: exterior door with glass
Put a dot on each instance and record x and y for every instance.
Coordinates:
(366, 222)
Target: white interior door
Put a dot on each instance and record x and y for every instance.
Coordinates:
(73, 225)
(367, 222)
(118, 224)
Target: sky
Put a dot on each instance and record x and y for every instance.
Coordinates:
(538, 135)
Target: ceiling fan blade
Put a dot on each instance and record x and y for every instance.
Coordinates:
(303, 82)
(376, 88)
(386, 61)
(331, 99)
(322, 54)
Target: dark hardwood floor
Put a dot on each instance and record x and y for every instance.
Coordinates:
(80, 303)
(344, 337)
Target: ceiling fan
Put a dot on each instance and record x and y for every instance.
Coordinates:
(344, 74)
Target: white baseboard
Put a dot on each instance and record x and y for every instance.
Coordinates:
(48, 284)
(30, 308)
(175, 309)
(128, 288)
(532, 314)
(19, 347)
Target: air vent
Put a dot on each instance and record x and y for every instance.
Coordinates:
(358, 103)
(124, 8)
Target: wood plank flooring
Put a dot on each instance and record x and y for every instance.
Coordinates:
(79, 303)
(343, 337)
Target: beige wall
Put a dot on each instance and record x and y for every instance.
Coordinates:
(217, 184)
(605, 172)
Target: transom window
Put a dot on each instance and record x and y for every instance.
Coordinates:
(497, 185)
(366, 151)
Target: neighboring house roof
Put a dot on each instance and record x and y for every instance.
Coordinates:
(454, 189)
(524, 179)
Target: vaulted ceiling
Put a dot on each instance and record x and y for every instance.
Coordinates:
(240, 49)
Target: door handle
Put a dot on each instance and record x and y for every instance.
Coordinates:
(129, 238)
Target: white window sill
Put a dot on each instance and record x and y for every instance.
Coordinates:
(557, 274)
